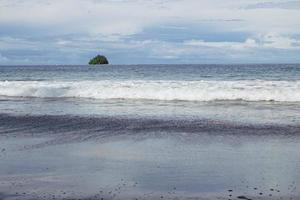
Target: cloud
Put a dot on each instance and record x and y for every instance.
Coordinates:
(93, 17)
(281, 42)
(249, 43)
(127, 17)
(147, 30)
(293, 5)
(132, 51)
(265, 42)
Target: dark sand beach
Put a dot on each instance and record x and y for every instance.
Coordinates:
(69, 157)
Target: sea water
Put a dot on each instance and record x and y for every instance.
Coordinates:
(246, 92)
(150, 131)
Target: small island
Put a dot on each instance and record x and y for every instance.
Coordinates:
(99, 60)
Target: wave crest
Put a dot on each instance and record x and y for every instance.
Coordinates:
(248, 90)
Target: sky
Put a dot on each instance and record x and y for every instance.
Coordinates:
(149, 31)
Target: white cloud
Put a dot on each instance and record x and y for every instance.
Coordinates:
(77, 27)
(280, 42)
(127, 17)
(266, 41)
(249, 43)
(294, 5)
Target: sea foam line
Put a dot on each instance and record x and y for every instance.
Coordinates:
(248, 90)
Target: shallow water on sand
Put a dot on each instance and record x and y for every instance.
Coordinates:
(150, 165)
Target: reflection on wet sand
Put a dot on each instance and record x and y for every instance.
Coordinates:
(159, 164)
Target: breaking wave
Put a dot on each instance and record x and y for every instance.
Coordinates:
(247, 90)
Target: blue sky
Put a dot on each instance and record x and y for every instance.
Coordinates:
(149, 31)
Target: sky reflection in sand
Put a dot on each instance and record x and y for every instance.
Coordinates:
(209, 166)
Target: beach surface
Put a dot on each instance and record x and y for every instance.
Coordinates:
(150, 132)
(70, 157)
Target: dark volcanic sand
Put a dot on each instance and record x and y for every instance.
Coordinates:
(69, 157)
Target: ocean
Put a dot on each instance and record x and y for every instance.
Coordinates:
(150, 132)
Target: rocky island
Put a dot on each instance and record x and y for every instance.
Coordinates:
(99, 60)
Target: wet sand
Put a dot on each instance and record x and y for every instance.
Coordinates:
(71, 157)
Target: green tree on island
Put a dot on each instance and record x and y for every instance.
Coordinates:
(99, 60)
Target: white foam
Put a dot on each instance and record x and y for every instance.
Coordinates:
(248, 90)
